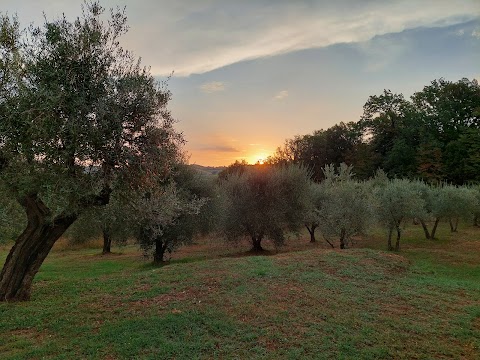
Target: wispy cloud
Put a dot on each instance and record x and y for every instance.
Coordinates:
(281, 95)
(381, 51)
(207, 35)
(476, 33)
(211, 34)
(211, 87)
(218, 148)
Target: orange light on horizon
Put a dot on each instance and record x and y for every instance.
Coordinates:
(257, 158)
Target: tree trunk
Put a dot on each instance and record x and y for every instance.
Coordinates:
(311, 231)
(453, 225)
(342, 239)
(434, 230)
(397, 244)
(31, 248)
(389, 242)
(425, 229)
(160, 248)
(107, 242)
(257, 243)
(329, 243)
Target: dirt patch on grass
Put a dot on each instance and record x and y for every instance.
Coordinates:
(170, 301)
(30, 333)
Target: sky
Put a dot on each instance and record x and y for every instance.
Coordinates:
(247, 74)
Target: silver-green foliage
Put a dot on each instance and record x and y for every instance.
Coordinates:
(453, 203)
(448, 202)
(346, 212)
(12, 220)
(396, 201)
(172, 215)
(312, 215)
(346, 208)
(80, 119)
(114, 221)
(79, 114)
(265, 202)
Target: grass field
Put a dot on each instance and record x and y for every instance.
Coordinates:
(214, 301)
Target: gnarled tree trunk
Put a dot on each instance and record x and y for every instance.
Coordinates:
(33, 245)
(31, 248)
(107, 242)
(453, 224)
(397, 243)
(343, 243)
(389, 241)
(159, 253)
(434, 229)
(425, 229)
(311, 231)
(257, 243)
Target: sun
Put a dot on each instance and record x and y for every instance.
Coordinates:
(258, 158)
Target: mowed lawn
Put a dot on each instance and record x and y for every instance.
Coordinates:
(216, 301)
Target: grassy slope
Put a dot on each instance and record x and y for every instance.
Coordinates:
(304, 302)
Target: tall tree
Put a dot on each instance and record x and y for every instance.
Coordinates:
(450, 116)
(79, 117)
(314, 151)
(388, 121)
(448, 107)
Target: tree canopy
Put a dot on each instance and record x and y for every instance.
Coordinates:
(434, 136)
(265, 202)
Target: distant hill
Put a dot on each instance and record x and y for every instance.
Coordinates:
(211, 170)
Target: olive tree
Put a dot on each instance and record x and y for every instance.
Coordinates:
(396, 201)
(447, 202)
(172, 215)
(113, 222)
(346, 212)
(79, 118)
(264, 202)
(346, 209)
(312, 215)
(452, 203)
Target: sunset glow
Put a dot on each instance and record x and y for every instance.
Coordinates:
(258, 158)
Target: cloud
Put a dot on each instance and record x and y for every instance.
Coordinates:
(476, 33)
(219, 148)
(460, 32)
(382, 51)
(192, 36)
(211, 34)
(281, 95)
(211, 87)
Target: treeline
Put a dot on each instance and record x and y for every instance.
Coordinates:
(433, 136)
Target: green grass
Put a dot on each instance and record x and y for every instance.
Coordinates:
(304, 302)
